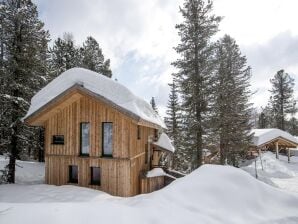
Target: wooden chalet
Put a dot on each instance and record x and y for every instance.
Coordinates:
(274, 140)
(97, 133)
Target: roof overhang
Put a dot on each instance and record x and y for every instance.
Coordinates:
(281, 141)
(71, 95)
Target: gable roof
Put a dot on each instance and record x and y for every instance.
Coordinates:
(263, 136)
(99, 85)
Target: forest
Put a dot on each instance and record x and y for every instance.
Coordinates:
(209, 103)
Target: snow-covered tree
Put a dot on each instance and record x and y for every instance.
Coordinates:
(93, 58)
(231, 109)
(24, 41)
(173, 122)
(282, 99)
(64, 55)
(153, 104)
(194, 69)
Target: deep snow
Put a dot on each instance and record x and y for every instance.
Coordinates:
(211, 194)
(276, 172)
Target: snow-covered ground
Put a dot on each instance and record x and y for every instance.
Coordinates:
(212, 194)
(26, 172)
(276, 172)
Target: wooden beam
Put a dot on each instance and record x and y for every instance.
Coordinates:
(276, 150)
(289, 154)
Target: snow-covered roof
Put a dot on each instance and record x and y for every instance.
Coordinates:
(262, 136)
(100, 85)
(165, 142)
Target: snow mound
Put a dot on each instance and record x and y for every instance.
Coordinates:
(210, 195)
(156, 172)
(98, 84)
(261, 136)
(276, 172)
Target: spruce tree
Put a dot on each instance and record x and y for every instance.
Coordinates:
(282, 98)
(153, 105)
(173, 123)
(231, 110)
(64, 55)
(194, 69)
(93, 58)
(25, 43)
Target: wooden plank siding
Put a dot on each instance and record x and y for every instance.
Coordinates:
(119, 174)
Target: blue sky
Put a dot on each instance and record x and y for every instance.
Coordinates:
(139, 36)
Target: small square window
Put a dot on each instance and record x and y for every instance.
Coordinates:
(73, 174)
(58, 139)
(95, 175)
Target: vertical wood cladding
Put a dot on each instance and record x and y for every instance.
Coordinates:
(119, 174)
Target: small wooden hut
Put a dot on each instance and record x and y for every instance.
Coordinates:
(98, 134)
(274, 140)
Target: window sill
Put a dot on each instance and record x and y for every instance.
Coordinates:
(84, 155)
(107, 157)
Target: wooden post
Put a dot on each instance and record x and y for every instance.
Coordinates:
(260, 156)
(276, 150)
(289, 154)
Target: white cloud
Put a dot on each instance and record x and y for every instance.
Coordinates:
(139, 36)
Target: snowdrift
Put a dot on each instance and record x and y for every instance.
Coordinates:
(212, 194)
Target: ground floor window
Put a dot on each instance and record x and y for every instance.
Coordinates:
(73, 174)
(95, 175)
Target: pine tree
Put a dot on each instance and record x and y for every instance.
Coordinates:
(25, 43)
(194, 70)
(231, 110)
(64, 55)
(173, 123)
(153, 105)
(93, 58)
(282, 99)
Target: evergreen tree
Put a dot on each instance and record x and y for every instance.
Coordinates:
(64, 55)
(153, 105)
(282, 99)
(231, 110)
(24, 42)
(173, 123)
(194, 70)
(93, 59)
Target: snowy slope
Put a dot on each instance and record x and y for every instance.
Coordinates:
(262, 136)
(276, 172)
(212, 194)
(98, 84)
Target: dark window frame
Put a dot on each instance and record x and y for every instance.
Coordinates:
(94, 182)
(70, 171)
(138, 132)
(81, 153)
(57, 142)
(102, 140)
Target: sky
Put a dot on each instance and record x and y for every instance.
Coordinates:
(139, 36)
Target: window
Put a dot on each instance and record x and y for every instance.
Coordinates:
(58, 139)
(95, 175)
(107, 138)
(84, 138)
(73, 174)
(139, 132)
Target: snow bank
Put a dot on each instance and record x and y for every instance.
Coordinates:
(210, 195)
(276, 172)
(165, 142)
(98, 84)
(156, 172)
(262, 136)
(26, 172)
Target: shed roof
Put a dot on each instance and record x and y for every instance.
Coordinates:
(164, 142)
(264, 136)
(98, 84)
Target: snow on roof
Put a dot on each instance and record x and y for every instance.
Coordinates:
(98, 84)
(261, 136)
(165, 142)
